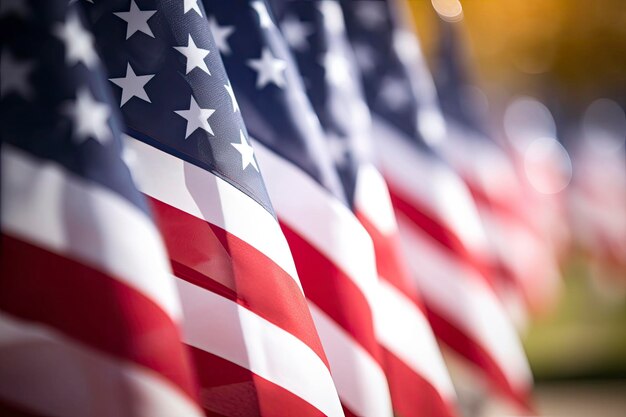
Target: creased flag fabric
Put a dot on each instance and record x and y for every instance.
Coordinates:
(89, 312)
(253, 342)
(525, 228)
(438, 220)
(418, 379)
(333, 253)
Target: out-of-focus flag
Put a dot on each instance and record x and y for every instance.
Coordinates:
(333, 252)
(544, 169)
(455, 134)
(418, 379)
(597, 197)
(247, 324)
(89, 313)
(443, 233)
(517, 218)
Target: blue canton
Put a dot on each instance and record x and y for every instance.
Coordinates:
(270, 90)
(55, 101)
(168, 78)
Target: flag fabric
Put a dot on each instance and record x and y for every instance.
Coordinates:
(89, 313)
(254, 345)
(442, 231)
(418, 379)
(597, 203)
(487, 173)
(517, 218)
(333, 252)
(597, 194)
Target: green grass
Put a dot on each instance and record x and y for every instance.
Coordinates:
(585, 337)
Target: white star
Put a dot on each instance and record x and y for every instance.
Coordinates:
(333, 16)
(431, 124)
(196, 117)
(337, 68)
(233, 99)
(133, 85)
(371, 13)
(195, 56)
(296, 32)
(78, 42)
(406, 46)
(264, 16)
(137, 20)
(220, 35)
(192, 4)
(15, 75)
(269, 69)
(15, 7)
(394, 93)
(90, 117)
(246, 151)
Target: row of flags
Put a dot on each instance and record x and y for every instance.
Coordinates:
(523, 254)
(252, 207)
(597, 197)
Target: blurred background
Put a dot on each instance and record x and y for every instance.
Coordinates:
(547, 79)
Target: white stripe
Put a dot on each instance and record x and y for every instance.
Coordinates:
(321, 219)
(429, 182)
(371, 198)
(222, 327)
(405, 332)
(359, 379)
(44, 372)
(201, 194)
(334, 231)
(525, 254)
(402, 327)
(466, 300)
(480, 161)
(528, 257)
(46, 205)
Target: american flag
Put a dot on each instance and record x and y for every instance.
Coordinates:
(253, 342)
(333, 252)
(520, 223)
(437, 216)
(417, 376)
(89, 314)
(266, 303)
(597, 195)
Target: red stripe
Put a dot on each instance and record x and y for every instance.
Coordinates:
(411, 394)
(514, 213)
(436, 228)
(513, 208)
(445, 331)
(347, 412)
(326, 285)
(212, 258)
(389, 262)
(427, 221)
(91, 307)
(458, 341)
(231, 390)
(506, 282)
(509, 207)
